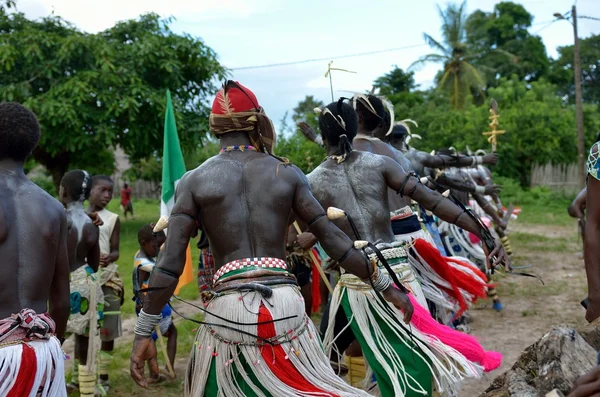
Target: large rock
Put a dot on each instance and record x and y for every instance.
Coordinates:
(553, 362)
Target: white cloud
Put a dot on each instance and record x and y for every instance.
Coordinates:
(94, 16)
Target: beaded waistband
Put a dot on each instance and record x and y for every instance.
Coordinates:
(249, 264)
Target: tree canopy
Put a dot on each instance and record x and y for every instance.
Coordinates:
(92, 92)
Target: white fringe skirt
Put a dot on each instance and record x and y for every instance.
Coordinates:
(275, 358)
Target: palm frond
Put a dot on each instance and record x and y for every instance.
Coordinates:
(473, 77)
(419, 63)
(436, 45)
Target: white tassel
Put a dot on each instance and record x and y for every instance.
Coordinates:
(335, 213)
(161, 224)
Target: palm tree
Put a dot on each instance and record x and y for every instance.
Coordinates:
(459, 76)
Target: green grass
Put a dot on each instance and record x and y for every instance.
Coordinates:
(546, 213)
(146, 211)
(123, 385)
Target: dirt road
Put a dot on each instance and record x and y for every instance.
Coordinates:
(530, 308)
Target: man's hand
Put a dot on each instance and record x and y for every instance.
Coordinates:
(492, 189)
(306, 240)
(104, 260)
(491, 159)
(587, 385)
(593, 310)
(308, 131)
(500, 254)
(400, 300)
(143, 350)
(95, 218)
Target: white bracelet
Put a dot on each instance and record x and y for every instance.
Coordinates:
(146, 323)
(479, 159)
(479, 189)
(319, 140)
(378, 280)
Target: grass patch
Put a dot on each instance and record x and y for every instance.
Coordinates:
(536, 243)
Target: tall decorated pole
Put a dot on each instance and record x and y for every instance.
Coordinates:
(328, 74)
(494, 123)
(173, 169)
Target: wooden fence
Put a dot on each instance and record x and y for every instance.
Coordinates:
(560, 178)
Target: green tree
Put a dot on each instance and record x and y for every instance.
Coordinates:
(504, 43)
(459, 75)
(539, 125)
(292, 144)
(562, 73)
(305, 111)
(94, 91)
(400, 88)
(395, 82)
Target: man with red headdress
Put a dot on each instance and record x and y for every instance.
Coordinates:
(256, 338)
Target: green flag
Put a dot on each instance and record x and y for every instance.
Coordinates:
(173, 166)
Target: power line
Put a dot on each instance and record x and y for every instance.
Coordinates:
(545, 26)
(272, 65)
(586, 17)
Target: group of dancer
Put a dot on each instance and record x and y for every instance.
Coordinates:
(396, 293)
(411, 261)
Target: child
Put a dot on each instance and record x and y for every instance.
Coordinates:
(143, 264)
(112, 284)
(84, 258)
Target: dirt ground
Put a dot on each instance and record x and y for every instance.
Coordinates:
(530, 308)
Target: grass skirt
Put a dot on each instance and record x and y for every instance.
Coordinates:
(227, 362)
(405, 361)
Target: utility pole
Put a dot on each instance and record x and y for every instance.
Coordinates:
(578, 104)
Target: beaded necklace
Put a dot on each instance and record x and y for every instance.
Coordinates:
(237, 148)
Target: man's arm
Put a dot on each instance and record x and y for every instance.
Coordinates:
(93, 255)
(182, 226)
(443, 161)
(115, 237)
(490, 210)
(59, 302)
(408, 185)
(335, 242)
(577, 207)
(592, 248)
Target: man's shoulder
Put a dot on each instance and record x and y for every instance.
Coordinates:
(36, 194)
(372, 159)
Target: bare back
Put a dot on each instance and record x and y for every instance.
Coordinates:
(83, 241)
(241, 198)
(357, 186)
(377, 146)
(31, 246)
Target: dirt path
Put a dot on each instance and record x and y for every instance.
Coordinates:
(530, 309)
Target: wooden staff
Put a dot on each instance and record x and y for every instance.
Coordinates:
(163, 348)
(316, 262)
(494, 116)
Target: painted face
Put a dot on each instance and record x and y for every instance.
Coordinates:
(101, 193)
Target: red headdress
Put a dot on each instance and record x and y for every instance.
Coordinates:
(236, 108)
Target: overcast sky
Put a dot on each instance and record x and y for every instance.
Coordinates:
(259, 32)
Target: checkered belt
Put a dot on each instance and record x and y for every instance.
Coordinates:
(266, 263)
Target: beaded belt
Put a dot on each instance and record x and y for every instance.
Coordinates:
(264, 263)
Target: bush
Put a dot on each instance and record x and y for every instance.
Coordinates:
(45, 182)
